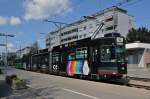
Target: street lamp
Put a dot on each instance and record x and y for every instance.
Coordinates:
(42, 39)
(43, 33)
(56, 23)
(2, 44)
(6, 36)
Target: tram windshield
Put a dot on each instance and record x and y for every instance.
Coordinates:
(120, 51)
(108, 53)
(111, 53)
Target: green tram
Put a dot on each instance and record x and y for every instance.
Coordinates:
(96, 59)
(18, 63)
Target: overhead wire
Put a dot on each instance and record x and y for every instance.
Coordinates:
(132, 3)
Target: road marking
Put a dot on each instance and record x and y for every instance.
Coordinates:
(80, 93)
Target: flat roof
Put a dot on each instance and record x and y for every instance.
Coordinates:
(113, 8)
(137, 45)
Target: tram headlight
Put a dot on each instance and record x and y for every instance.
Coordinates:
(123, 68)
(114, 73)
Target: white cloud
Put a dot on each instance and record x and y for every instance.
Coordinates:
(15, 20)
(3, 20)
(11, 47)
(40, 9)
(9, 20)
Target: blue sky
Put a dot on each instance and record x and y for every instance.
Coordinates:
(16, 16)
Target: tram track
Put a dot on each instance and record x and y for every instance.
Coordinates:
(136, 82)
(140, 79)
(139, 86)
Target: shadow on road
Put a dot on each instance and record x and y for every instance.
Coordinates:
(39, 93)
(5, 89)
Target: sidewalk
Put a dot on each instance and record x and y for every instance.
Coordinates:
(30, 93)
(139, 72)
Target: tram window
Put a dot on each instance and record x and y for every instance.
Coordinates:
(63, 57)
(120, 53)
(120, 49)
(81, 53)
(55, 57)
(45, 60)
(71, 56)
(108, 54)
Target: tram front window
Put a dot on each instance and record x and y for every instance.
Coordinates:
(120, 50)
(108, 53)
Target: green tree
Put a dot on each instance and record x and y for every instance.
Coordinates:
(141, 34)
(11, 59)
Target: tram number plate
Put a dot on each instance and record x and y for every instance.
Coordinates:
(55, 68)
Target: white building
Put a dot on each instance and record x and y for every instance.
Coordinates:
(138, 59)
(138, 55)
(23, 51)
(115, 20)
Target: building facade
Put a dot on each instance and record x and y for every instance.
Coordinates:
(138, 55)
(114, 19)
(22, 52)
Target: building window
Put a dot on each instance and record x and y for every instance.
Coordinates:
(69, 38)
(84, 27)
(109, 28)
(109, 19)
(98, 22)
(90, 26)
(75, 30)
(80, 36)
(69, 32)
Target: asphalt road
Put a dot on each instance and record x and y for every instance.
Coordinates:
(57, 87)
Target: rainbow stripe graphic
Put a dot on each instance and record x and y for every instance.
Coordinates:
(75, 67)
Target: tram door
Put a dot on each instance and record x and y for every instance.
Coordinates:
(55, 62)
(94, 58)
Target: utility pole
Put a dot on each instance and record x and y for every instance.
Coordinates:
(6, 52)
(45, 34)
(6, 47)
(58, 25)
(20, 50)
